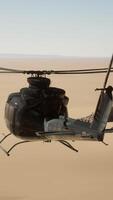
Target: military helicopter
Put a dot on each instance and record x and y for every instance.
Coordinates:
(39, 112)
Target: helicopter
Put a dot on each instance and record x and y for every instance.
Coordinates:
(39, 112)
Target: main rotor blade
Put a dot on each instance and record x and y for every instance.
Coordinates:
(81, 72)
(58, 71)
(10, 69)
(11, 72)
(48, 72)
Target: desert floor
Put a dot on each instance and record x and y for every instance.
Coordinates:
(49, 171)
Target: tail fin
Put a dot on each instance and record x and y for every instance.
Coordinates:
(111, 116)
(103, 110)
(104, 106)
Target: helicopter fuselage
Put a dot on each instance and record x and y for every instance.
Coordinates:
(27, 111)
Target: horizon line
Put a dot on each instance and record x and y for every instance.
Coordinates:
(47, 55)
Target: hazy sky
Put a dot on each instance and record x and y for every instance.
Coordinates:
(57, 27)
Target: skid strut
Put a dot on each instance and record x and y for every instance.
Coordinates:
(8, 152)
(67, 144)
(16, 145)
(5, 137)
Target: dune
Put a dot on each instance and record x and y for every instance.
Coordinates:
(49, 171)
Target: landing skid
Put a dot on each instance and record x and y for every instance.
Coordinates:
(7, 152)
(67, 144)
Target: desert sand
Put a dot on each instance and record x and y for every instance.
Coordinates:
(49, 171)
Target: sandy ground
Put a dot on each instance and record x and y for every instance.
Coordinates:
(50, 171)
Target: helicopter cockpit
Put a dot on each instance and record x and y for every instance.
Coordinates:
(26, 110)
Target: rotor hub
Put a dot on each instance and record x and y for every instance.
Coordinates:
(38, 82)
